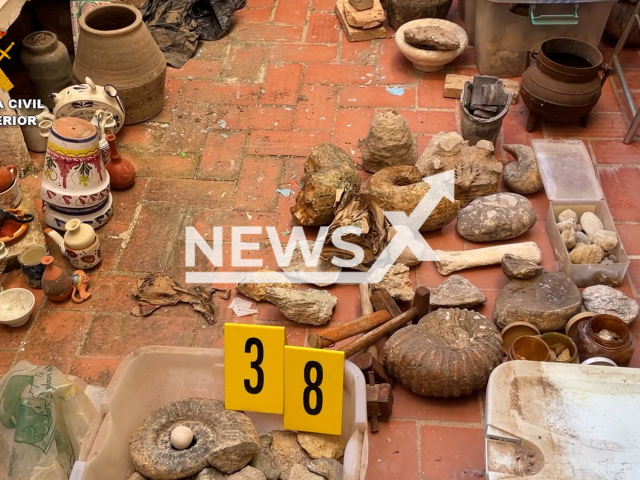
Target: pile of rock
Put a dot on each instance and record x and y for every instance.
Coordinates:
(587, 241)
(361, 20)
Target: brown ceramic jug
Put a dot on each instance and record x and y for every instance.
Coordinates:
(121, 171)
(8, 175)
(56, 284)
(591, 345)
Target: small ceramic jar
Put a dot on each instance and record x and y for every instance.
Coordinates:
(591, 345)
(79, 235)
(31, 262)
(553, 338)
(11, 197)
(529, 348)
(80, 245)
(31, 133)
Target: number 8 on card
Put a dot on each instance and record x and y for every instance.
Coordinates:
(254, 368)
(313, 383)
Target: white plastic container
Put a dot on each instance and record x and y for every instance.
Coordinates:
(152, 377)
(506, 32)
(570, 182)
(559, 421)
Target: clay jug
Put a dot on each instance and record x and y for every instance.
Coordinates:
(8, 175)
(121, 171)
(56, 284)
(591, 345)
(116, 48)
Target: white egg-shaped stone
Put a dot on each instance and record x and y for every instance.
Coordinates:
(591, 223)
(181, 437)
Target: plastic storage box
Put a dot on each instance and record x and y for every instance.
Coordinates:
(557, 421)
(570, 182)
(506, 32)
(151, 377)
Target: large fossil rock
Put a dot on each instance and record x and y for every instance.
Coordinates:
(319, 445)
(431, 38)
(254, 284)
(522, 176)
(456, 292)
(496, 217)
(450, 352)
(477, 170)
(226, 440)
(263, 460)
(287, 452)
(389, 142)
(401, 188)
(308, 307)
(548, 301)
(327, 170)
(604, 299)
(397, 282)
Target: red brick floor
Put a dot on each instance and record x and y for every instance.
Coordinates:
(239, 119)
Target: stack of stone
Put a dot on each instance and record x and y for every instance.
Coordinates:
(361, 19)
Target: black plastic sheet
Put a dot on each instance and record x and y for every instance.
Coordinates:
(177, 25)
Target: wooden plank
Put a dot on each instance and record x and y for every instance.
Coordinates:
(454, 84)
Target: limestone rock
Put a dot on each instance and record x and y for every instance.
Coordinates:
(327, 468)
(267, 278)
(562, 226)
(591, 223)
(361, 4)
(369, 18)
(396, 281)
(586, 254)
(401, 188)
(568, 214)
(319, 445)
(308, 307)
(496, 217)
(327, 170)
(547, 301)
(613, 258)
(210, 473)
(298, 268)
(357, 34)
(606, 261)
(569, 237)
(431, 38)
(477, 170)
(582, 237)
(519, 268)
(300, 472)
(522, 176)
(137, 476)
(605, 239)
(389, 142)
(456, 292)
(604, 299)
(238, 443)
(263, 460)
(248, 473)
(287, 452)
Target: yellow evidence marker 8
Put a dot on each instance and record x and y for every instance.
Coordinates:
(254, 368)
(313, 383)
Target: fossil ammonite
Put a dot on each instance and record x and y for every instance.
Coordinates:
(450, 352)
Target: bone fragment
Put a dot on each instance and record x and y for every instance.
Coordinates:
(455, 260)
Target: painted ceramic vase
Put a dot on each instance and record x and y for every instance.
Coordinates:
(80, 244)
(31, 262)
(121, 171)
(74, 175)
(57, 217)
(105, 124)
(129, 58)
(82, 101)
(80, 282)
(56, 284)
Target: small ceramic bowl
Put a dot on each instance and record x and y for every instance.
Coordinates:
(431, 60)
(514, 331)
(571, 328)
(16, 305)
(11, 197)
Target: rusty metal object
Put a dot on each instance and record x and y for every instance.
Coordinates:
(562, 85)
(450, 352)
(421, 302)
(379, 403)
(369, 365)
(329, 336)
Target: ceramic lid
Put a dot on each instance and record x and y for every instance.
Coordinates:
(566, 170)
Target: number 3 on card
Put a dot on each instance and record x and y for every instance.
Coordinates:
(313, 382)
(254, 368)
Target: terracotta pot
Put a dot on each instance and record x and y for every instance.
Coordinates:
(529, 348)
(56, 284)
(563, 84)
(121, 171)
(115, 47)
(591, 345)
(8, 175)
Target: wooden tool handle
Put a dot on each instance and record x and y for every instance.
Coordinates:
(331, 335)
(365, 299)
(379, 332)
